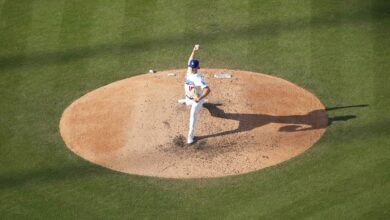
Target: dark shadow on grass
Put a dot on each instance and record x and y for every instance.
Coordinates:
(343, 117)
(347, 106)
(271, 27)
(316, 119)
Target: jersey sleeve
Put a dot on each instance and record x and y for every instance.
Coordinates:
(189, 70)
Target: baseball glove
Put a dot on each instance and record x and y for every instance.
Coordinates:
(194, 93)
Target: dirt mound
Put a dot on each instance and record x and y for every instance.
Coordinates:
(249, 122)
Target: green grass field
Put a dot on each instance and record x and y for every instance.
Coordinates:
(54, 51)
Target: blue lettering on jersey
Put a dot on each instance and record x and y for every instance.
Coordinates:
(188, 82)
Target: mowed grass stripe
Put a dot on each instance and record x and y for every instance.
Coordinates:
(13, 41)
(43, 36)
(295, 44)
(342, 46)
(35, 129)
(137, 36)
(325, 48)
(197, 17)
(170, 25)
(106, 22)
(40, 90)
(16, 23)
(64, 195)
(42, 40)
(381, 32)
(263, 31)
(229, 23)
(381, 41)
(77, 21)
(357, 47)
(106, 29)
(1, 11)
(356, 71)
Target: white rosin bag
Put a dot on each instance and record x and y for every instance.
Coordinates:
(223, 75)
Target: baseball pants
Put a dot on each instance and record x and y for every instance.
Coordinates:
(195, 106)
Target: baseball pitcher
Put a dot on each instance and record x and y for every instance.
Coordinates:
(195, 89)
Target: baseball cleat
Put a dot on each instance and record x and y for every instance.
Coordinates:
(181, 101)
(190, 140)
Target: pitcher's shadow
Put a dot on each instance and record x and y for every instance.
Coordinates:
(316, 119)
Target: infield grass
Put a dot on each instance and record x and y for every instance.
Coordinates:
(52, 52)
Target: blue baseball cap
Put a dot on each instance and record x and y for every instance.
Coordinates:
(194, 64)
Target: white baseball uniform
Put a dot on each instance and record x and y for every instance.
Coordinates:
(193, 83)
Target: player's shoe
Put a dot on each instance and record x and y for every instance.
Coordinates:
(181, 101)
(190, 140)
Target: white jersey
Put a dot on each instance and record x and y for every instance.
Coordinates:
(193, 81)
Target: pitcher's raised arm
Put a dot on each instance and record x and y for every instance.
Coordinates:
(196, 47)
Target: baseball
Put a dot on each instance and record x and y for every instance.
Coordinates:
(196, 46)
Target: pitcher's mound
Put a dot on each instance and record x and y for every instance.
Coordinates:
(249, 122)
